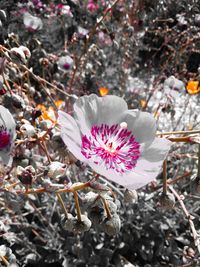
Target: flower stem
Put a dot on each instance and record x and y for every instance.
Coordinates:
(4, 260)
(62, 204)
(108, 213)
(180, 132)
(78, 210)
(198, 172)
(189, 218)
(165, 176)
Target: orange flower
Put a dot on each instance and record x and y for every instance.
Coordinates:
(143, 103)
(193, 87)
(103, 91)
(49, 114)
(59, 103)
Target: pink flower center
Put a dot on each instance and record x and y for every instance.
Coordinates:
(4, 139)
(112, 147)
(66, 66)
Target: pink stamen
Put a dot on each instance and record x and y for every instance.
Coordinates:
(112, 147)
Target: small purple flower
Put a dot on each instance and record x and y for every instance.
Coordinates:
(32, 23)
(65, 63)
(64, 10)
(7, 136)
(117, 143)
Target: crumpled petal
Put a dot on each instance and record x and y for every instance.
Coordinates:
(142, 124)
(70, 134)
(93, 110)
(147, 168)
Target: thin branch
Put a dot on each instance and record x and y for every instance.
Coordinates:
(165, 176)
(4, 260)
(62, 204)
(189, 218)
(78, 210)
(179, 132)
(108, 213)
(198, 172)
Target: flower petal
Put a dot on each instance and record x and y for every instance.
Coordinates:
(142, 125)
(132, 180)
(6, 119)
(151, 161)
(146, 170)
(93, 110)
(70, 134)
(5, 158)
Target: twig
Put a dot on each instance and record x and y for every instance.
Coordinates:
(179, 132)
(35, 77)
(91, 34)
(198, 172)
(78, 210)
(62, 204)
(165, 176)
(4, 260)
(189, 217)
(108, 213)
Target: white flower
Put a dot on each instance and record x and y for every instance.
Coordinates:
(28, 130)
(32, 23)
(56, 169)
(7, 136)
(117, 143)
(65, 63)
(173, 86)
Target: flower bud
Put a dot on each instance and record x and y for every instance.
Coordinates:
(28, 130)
(131, 196)
(89, 199)
(32, 23)
(26, 51)
(65, 63)
(83, 225)
(25, 175)
(72, 223)
(112, 206)
(111, 226)
(56, 169)
(17, 55)
(68, 223)
(96, 215)
(167, 201)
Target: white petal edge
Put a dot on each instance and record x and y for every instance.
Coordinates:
(142, 124)
(70, 134)
(7, 119)
(147, 169)
(93, 110)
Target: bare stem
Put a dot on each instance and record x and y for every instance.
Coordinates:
(180, 132)
(189, 218)
(198, 173)
(108, 213)
(165, 176)
(62, 204)
(4, 260)
(91, 34)
(78, 210)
